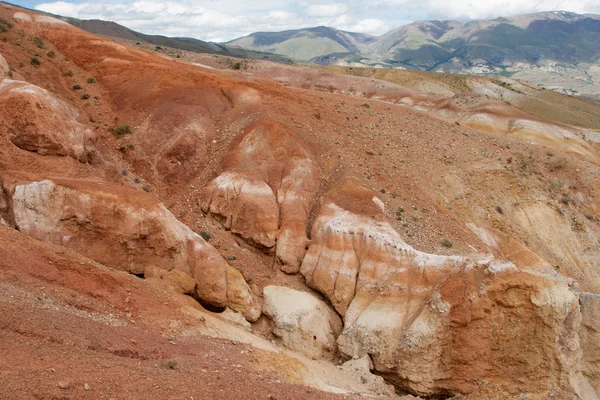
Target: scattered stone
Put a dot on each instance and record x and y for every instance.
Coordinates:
(63, 385)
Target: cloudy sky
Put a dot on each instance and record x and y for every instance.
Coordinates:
(221, 20)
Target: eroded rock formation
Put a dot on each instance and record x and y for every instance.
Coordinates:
(303, 322)
(265, 192)
(129, 231)
(438, 324)
(35, 120)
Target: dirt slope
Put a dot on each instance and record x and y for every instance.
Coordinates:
(468, 177)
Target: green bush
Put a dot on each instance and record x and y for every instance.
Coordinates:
(85, 96)
(205, 235)
(122, 130)
(446, 243)
(91, 79)
(5, 25)
(34, 61)
(39, 42)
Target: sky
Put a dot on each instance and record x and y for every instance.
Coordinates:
(222, 20)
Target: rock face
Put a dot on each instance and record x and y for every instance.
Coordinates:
(4, 68)
(303, 322)
(266, 191)
(437, 324)
(129, 231)
(590, 343)
(35, 120)
(5, 211)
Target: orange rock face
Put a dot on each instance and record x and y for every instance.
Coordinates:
(128, 231)
(265, 192)
(35, 120)
(437, 324)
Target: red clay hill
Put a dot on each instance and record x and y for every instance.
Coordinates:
(300, 233)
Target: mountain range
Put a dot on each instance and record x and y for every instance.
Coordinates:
(556, 49)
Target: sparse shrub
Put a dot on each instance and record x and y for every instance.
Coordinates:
(382, 191)
(205, 235)
(91, 79)
(446, 243)
(21, 64)
(524, 162)
(158, 48)
(565, 198)
(50, 54)
(85, 96)
(550, 154)
(68, 73)
(555, 185)
(318, 115)
(170, 364)
(122, 130)
(499, 210)
(5, 25)
(39, 42)
(399, 213)
(136, 180)
(558, 163)
(147, 189)
(370, 153)
(130, 146)
(366, 105)
(237, 65)
(76, 86)
(124, 172)
(34, 61)
(577, 225)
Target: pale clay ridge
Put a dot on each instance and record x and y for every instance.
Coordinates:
(266, 191)
(396, 310)
(54, 129)
(128, 237)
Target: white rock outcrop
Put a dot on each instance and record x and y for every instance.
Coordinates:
(302, 322)
(130, 231)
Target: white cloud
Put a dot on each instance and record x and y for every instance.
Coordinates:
(471, 9)
(221, 20)
(371, 25)
(326, 10)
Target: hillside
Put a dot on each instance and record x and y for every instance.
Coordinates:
(194, 226)
(304, 44)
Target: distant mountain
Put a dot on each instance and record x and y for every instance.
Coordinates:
(305, 44)
(558, 36)
(557, 49)
(112, 29)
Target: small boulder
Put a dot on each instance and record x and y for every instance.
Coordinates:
(302, 322)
